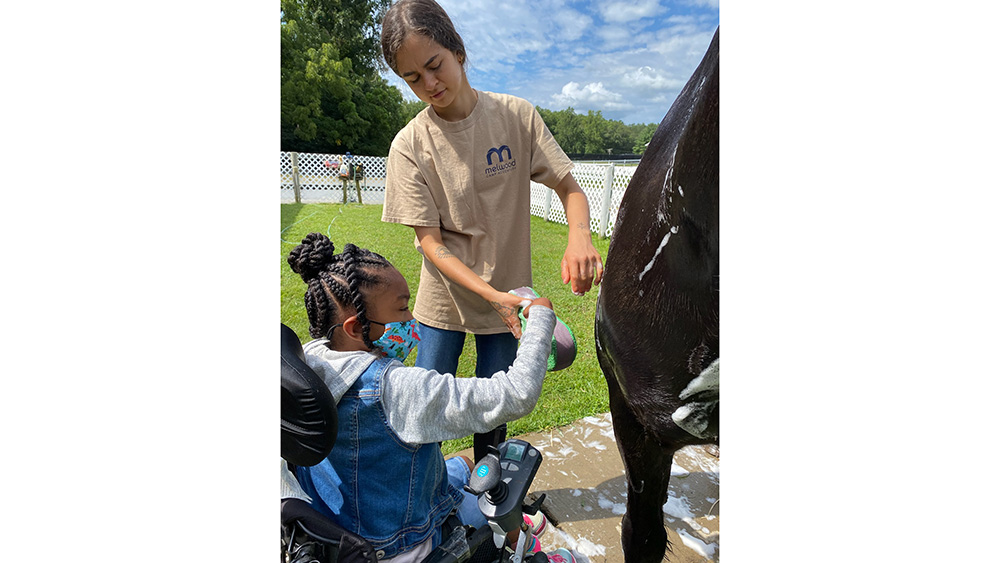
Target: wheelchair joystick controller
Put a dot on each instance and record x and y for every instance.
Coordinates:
(501, 480)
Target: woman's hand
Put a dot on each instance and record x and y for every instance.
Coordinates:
(506, 305)
(581, 265)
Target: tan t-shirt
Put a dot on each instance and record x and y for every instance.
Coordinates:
(472, 178)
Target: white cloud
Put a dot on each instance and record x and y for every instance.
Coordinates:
(648, 79)
(616, 36)
(620, 12)
(681, 47)
(499, 34)
(589, 96)
(703, 3)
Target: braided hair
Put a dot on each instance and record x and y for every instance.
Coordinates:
(335, 282)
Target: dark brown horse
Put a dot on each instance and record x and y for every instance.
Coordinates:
(657, 326)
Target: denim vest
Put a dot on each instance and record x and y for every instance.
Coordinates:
(393, 494)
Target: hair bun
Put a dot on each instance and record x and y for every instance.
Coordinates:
(313, 256)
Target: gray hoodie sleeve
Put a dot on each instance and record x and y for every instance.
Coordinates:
(424, 406)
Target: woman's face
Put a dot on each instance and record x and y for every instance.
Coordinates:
(435, 74)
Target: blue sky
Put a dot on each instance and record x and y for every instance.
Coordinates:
(627, 59)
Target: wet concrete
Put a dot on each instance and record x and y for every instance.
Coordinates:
(583, 479)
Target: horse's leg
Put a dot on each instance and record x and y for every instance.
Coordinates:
(647, 471)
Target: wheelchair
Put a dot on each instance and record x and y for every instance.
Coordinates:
(308, 433)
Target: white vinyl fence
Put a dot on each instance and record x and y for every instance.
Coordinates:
(313, 178)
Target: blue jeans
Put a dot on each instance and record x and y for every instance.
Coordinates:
(440, 349)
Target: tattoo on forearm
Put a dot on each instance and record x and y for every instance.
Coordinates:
(443, 252)
(504, 310)
(583, 226)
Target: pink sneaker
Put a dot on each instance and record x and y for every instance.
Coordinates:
(537, 523)
(561, 555)
(532, 546)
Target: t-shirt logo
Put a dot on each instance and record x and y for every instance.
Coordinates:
(498, 152)
(501, 166)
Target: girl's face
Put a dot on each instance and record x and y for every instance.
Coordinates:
(435, 74)
(388, 303)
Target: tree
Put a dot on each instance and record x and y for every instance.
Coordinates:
(592, 133)
(642, 135)
(566, 127)
(332, 96)
(411, 108)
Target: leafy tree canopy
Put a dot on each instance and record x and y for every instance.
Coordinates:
(592, 133)
(333, 99)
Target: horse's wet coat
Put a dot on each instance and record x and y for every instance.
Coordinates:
(657, 325)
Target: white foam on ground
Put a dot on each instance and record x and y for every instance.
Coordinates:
(565, 451)
(598, 446)
(608, 504)
(603, 420)
(706, 550)
(678, 507)
(687, 462)
(589, 548)
(581, 546)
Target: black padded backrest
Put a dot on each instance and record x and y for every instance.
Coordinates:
(308, 410)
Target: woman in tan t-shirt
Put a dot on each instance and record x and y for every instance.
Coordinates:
(459, 174)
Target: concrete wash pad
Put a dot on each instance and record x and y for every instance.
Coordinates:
(583, 478)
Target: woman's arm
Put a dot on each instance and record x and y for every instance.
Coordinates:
(505, 304)
(581, 264)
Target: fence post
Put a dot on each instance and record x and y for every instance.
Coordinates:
(609, 184)
(548, 203)
(357, 183)
(295, 176)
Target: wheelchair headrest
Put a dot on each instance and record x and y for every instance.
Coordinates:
(308, 409)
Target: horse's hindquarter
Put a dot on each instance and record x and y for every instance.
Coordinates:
(653, 339)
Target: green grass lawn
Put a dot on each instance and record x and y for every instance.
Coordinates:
(567, 395)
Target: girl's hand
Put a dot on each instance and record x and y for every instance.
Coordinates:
(506, 305)
(581, 265)
(543, 301)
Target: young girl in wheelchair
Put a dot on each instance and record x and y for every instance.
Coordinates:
(386, 478)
